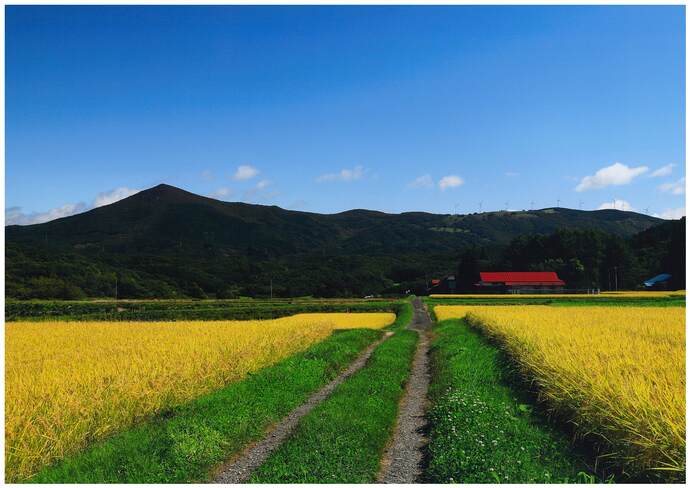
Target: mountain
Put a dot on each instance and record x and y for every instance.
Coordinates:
(165, 242)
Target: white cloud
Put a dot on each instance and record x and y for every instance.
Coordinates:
(674, 187)
(450, 181)
(206, 175)
(511, 174)
(221, 193)
(617, 205)
(245, 172)
(255, 195)
(663, 171)
(346, 175)
(298, 205)
(263, 184)
(15, 216)
(615, 175)
(106, 198)
(672, 213)
(424, 181)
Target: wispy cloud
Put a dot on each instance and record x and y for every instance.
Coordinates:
(206, 175)
(424, 181)
(450, 181)
(672, 213)
(663, 171)
(256, 195)
(263, 184)
(221, 193)
(245, 172)
(15, 215)
(345, 175)
(674, 187)
(511, 174)
(615, 175)
(617, 205)
(106, 198)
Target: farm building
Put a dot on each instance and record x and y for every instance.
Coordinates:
(443, 285)
(520, 282)
(659, 282)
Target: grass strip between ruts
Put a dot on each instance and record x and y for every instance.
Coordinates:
(480, 429)
(342, 440)
(183, 444)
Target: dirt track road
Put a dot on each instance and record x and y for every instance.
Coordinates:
(402, 461)
(240, 468)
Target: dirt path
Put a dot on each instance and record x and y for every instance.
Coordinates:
(401, 463)
(241, 467)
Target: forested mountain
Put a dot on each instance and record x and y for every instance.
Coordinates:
(166, 242)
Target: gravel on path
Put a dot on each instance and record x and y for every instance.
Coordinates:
(402, 460)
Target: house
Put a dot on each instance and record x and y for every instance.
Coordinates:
(519, 282)
(443, 285)
(659, 282)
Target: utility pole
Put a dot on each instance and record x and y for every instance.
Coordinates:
(609, 275)
(507, 204)
(480, 207)
(615, 276)
(558, 203)
(531, 205)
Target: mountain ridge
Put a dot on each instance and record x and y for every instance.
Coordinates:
(184, 241)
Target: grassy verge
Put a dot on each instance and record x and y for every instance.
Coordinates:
(183, 444)
(159, 310)
(342, 440)
(482, 431)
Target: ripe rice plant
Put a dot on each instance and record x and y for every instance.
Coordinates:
(616, 373)
(68, 384)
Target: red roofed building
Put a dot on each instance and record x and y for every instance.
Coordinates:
(520, 281)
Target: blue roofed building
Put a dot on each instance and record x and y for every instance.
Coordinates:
(659, 282)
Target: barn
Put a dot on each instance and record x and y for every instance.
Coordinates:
(519, 282)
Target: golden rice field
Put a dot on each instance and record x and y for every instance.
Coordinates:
(618, 373)
(69, 383)
(603, 294)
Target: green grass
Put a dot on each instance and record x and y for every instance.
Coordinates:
(342, 440)
(481, 429)
(240, 309)
(183, 444)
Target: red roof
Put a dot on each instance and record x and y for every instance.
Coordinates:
(522, 277)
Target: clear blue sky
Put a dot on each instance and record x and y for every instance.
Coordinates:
(346, 107)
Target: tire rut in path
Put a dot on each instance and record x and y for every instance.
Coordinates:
(240, 468)
(402, 460)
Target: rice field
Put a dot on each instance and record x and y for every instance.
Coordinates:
(618, 374)
(70, 383)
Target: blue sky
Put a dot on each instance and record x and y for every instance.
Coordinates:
(326, 109)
